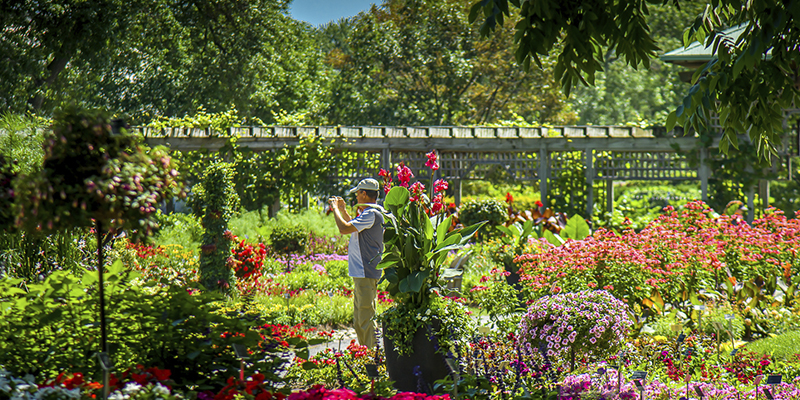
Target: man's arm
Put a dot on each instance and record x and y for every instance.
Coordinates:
(341, 217)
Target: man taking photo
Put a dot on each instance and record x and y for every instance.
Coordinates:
(363, 254)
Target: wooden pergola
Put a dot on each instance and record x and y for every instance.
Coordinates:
(521, 154)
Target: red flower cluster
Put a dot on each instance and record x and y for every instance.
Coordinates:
(145, 251)
(248, 259)
(747, 365)
(253, 386)
(383, 297)
(140, 375)
(281, 333)
(71, 381)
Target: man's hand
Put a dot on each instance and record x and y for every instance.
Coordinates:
(340, 215)
(337, 203)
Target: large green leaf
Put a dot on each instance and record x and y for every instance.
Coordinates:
(468, 232)
(450, 243)
(576, 228)
(414, 281)
(396, 199)
(388, 260)
(553, 238)
(441, 229)
(411, 252)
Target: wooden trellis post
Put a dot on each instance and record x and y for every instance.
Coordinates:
(589, 160)
(544, 173)
(703, 172)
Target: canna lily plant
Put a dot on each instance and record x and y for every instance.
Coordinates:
(417, 237)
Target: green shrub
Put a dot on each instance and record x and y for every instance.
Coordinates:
(490, 210)
(52, 328)
(780, 347)
(288, 239)
(181, 229)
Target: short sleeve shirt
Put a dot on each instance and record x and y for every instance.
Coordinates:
(366, 245)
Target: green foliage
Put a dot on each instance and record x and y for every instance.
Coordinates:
(639, 203)
(30, 257)
(576, 228)
(501, 302)
(446, 319)
(151, 58)
(780, 347)
(421, 63)
(525, 195)
(51, 327)
(649, 96)
(180, 229)
(567, 188)
(329, 366)
(20, 153)
(492, 211)
(415, 248)
(717, 314)
(260, 177)
(289, 240)
(92, 175)
(746, 89)
(216, 202)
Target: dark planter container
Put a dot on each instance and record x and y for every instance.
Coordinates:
(418, 371)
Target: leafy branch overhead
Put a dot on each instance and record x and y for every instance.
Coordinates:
(752, 80)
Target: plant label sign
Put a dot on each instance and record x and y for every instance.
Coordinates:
(241, 351)
(729, 317)
(681, 337)
(734, 351)
(372, 371)
(105, 362)
(700, 307)
(483, 330)
(676, 327)
(774, 380)
(639, 375)
(768, 395)
(699, 391)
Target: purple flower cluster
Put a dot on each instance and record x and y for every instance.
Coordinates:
(588, 323)
(297, 259)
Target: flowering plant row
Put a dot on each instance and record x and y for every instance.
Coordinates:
(673, 258)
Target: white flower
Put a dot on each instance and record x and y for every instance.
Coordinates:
(132, 388)
(160, 390)
(117, 395)
(24, 387)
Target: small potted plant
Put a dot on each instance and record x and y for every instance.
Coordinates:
(421, 326)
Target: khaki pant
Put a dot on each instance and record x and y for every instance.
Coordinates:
(364, 297)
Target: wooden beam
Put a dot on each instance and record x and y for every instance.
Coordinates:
(445, 144)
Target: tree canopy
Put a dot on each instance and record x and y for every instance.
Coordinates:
(420, 62)
(749, 84)
(162, 57)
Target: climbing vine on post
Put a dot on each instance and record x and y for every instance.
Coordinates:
(216, 202)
